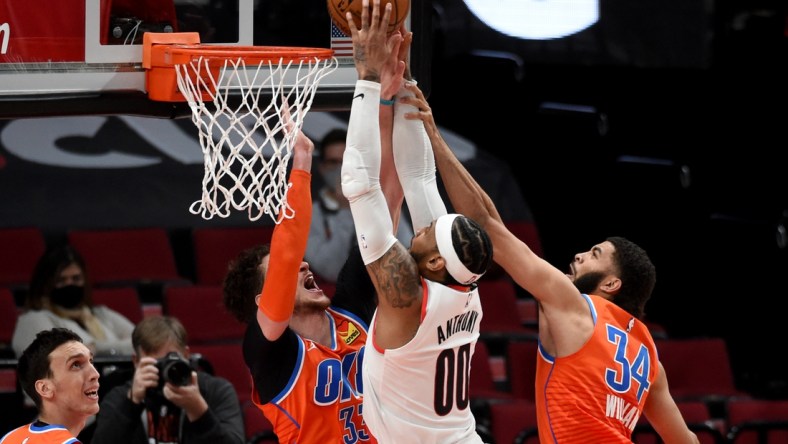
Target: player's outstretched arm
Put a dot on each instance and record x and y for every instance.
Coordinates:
(288, 245)
(546, 283)
(391, 80)
(393, 270)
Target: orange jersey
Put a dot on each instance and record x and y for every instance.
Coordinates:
(597, 394)
(322, 401)
(39, 433)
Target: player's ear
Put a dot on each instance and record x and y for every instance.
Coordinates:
(611, 285)
(44, 388)
(435, 262)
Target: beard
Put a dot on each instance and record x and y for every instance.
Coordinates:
(589, 282)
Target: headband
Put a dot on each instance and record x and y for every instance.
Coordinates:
(454, 265)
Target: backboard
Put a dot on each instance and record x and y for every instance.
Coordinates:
(83, 57)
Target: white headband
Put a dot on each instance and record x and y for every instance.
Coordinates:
(454, 265)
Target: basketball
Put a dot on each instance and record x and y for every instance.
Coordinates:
(338, 8)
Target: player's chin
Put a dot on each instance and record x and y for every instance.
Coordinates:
(93, 409)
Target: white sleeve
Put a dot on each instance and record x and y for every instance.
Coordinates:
(415, 164)
(361, 174)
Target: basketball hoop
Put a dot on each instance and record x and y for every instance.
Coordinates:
(245, 137)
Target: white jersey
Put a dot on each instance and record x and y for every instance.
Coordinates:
(418, 393)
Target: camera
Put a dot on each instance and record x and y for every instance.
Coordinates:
(173, 368)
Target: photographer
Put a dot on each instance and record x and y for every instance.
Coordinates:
(167, 401)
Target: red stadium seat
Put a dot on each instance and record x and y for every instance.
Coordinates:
(696, 414)
(482, 383)
(21, 249)
(690, 381)
(226, 360)
(521, 363)
(501, 317)
(124, 300)
(528, 310)
(214, 248)
(127, 256)
(756, 421)
(200, 309)
(526, 231)
(512, 419)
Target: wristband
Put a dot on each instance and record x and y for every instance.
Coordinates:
(387, 102)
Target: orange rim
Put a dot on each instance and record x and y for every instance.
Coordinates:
(215, 55)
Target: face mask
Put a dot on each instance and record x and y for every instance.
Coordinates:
(68, 296)
(331, 176)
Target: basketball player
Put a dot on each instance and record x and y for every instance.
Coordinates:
(304, 350)
(423, 334)
(56, 370)
(597, 366)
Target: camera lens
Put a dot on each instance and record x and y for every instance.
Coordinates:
(177, 372)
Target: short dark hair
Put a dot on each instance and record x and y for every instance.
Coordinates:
(34, 362)
(472, 245)
(637, 273)
(333, 136)
(243, 282)
(153, 332)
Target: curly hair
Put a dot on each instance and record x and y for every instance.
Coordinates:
(243, 282)
(637, 274)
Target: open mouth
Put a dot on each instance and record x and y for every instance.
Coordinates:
(310, 284)
(93, 394)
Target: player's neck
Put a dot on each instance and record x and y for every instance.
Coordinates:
(74, 425)
(314, 326)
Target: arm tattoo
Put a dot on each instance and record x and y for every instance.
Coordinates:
(397, 277)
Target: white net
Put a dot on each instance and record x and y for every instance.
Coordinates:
(245, 145)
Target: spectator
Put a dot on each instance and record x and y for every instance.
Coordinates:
(167, 401)
(59, 296)
(56, 371)
(332, 234)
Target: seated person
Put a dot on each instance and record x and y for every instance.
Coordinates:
(59, 296)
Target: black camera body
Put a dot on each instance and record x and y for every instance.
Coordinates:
(173, 368)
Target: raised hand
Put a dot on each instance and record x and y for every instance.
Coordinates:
(303, 146)
(396, 69)
(372, 48)
(425, 111)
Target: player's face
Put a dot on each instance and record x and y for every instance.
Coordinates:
(308, 295)
(74, 381)
(424, 248)
(423, 241)
(592, 265)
